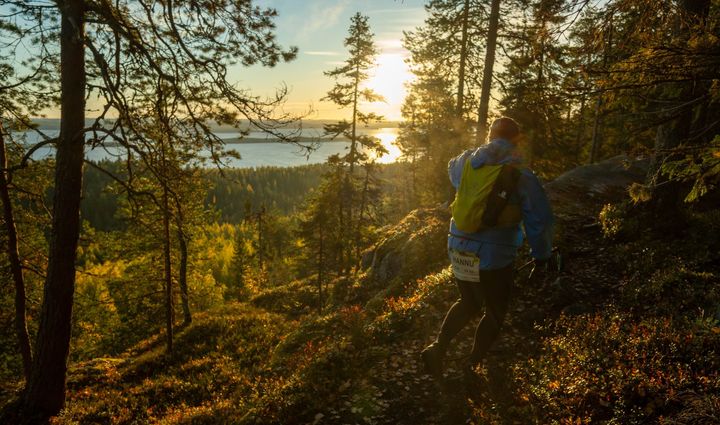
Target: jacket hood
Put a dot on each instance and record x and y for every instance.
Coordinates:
(498, 151)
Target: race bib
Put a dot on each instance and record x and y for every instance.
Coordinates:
(465, 266)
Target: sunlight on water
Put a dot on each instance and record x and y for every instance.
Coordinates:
(254, 154)
(388, 136)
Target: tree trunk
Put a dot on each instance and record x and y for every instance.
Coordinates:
(13, 254)
(182, 271)
(45, 391)
(348, 194)
(595, 144)
(182, 276)
(353, 128)
(463, 61)
(320, 269)
(169, 308)
(346, 238)
(261, 248)
(341, 237)
(361, 211)
(581, 130)
(488, 71)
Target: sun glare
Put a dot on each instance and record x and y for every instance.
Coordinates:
(387, 138)
(388, 80)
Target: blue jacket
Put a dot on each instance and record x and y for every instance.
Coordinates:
(497, 247)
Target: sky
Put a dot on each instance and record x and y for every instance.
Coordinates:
(318, 28)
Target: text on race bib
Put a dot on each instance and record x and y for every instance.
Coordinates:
(465, 266)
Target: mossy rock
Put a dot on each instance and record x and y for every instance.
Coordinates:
(416, 246)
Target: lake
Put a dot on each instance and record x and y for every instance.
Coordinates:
(257, 154)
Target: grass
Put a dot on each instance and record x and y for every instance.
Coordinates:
(218, 368)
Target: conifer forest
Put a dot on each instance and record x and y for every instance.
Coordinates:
(249, 212)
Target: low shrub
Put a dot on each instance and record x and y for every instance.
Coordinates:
(610, 367)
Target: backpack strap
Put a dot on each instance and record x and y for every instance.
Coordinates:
(497, 202)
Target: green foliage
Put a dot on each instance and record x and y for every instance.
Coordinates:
(678, 278)
(620, 220)
(611, 220)
(279, 189)
(632, 360)
(700, 169)
(119, 288)
(692, 291)
(288, 239)
(349, 93)
(263, 252)
(323, 234)
(640, 192)
(535, 89)
(101, 198)
(339, 218)
(214, 251)
(98, 317)
(428, 142)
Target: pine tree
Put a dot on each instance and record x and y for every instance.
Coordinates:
(239, 266)
(533, 91)
(114, 51)
(448, 47)
(447, 59)
(428, 138)
(348, 92)
(488, 67)
(654, 89)
(318, 230)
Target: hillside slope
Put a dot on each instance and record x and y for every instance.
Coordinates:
(627, 333)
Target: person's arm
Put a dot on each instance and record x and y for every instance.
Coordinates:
(455, 168)
(537, 214)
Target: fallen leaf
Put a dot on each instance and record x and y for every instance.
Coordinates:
(318, 418)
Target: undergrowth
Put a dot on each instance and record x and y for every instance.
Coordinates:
(647, 353)
(652, 353)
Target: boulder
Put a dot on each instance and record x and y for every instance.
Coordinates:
(581, 190)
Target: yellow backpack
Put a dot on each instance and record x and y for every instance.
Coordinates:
(481, 200)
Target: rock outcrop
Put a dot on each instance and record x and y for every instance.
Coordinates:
(590, 185)
(413, 247)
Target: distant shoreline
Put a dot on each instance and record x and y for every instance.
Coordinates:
(54, 124)
(247, 140)
(307, 140)
(255, 140)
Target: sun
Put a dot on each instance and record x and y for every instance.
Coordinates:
(389, 80)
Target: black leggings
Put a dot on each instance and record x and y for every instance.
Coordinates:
(493, 291)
